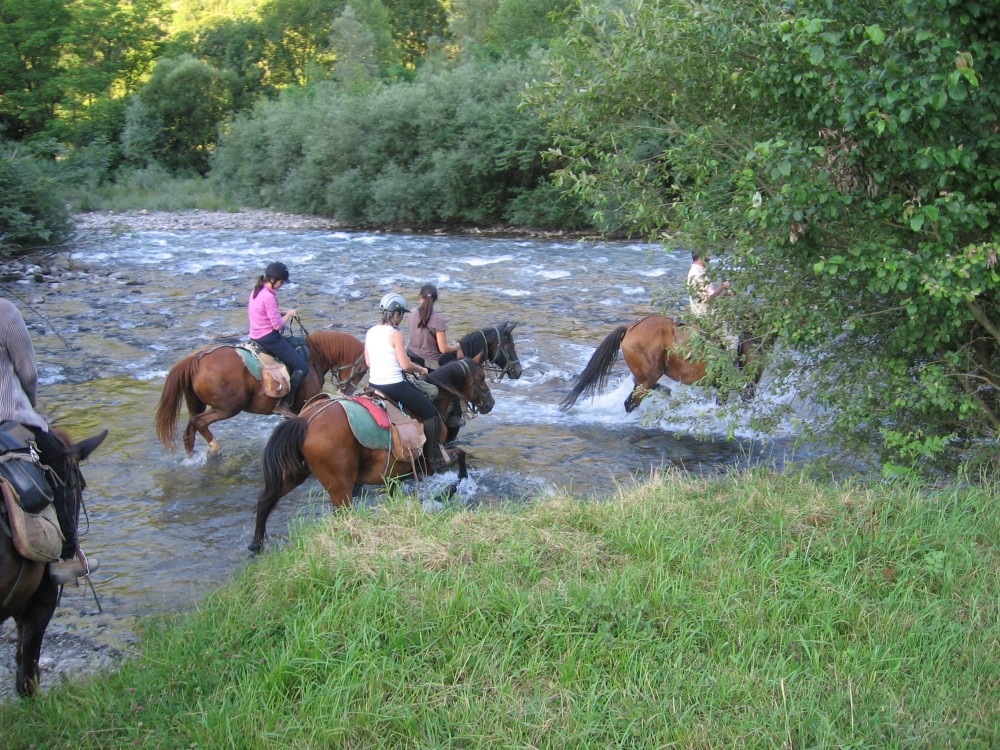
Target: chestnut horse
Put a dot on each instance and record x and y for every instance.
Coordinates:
(217, 377)
(650, 347)
(27, 593)
(320, 442)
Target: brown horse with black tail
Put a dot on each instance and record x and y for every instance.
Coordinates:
(320, 442)
(217, 378)
(27, 592)
(651, 348)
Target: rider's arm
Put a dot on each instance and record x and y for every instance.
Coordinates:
(444, 347)
(408, 365)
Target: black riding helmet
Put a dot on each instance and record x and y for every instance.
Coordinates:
(277, 271)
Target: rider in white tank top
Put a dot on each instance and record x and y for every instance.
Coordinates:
(383, 365)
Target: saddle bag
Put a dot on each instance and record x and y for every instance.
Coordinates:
(36, 536)
(34, 526)
(406, 435)
(20, 467)
(274, 376)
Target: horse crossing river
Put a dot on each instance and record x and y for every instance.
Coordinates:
(168, 528)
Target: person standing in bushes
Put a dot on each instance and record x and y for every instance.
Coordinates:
(18, 392)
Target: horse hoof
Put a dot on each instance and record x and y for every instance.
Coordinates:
(214, 448)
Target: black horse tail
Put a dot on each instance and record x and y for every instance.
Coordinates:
(283, 461)
(595, 375)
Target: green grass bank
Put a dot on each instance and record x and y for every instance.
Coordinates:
(756, 611)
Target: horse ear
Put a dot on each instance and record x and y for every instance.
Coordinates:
(84, 448)
(511, 324)
(478, 359)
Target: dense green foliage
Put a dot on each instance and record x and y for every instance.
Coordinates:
(32, 209)
(450, 147)
(843, 159)
(759, 611)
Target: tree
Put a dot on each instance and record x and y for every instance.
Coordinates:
(846, 160)
(175, 118)
(415, 23)
(238, 47)
(108, 49)
(30, 64)
(298, 34)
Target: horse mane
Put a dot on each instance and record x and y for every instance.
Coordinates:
(475, 343)
(451, 377)
(336, 346)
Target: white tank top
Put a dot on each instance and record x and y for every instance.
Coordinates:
(383, 367)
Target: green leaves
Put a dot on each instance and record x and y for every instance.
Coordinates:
(850, 174)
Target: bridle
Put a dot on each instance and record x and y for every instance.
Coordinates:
(474, 406)
(492, 364)
(355, 369)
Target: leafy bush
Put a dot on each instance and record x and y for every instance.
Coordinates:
(32, 209)
(843, 161)
(451, 147)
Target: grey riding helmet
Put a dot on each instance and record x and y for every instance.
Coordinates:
(393, 302)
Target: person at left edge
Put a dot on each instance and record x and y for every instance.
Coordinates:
(267, 322)
(18, 391)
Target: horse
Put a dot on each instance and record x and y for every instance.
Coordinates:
(496, 345)
(651, 348)
(216, 377)
(320, 442)
(27, 593)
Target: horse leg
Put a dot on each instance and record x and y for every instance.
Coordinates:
(639, 392)
(201, 423)
(31, 626)
(265, 504)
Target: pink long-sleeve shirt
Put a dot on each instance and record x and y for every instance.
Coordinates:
(263, 313)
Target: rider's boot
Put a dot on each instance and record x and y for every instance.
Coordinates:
(73, 564)
(434, 456)
(72, 568)
(285, 405)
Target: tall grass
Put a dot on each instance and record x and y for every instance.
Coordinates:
(152, 189)
(759, 611)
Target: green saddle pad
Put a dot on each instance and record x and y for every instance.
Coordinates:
(364, 426)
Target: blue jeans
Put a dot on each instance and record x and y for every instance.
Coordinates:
(277, 346)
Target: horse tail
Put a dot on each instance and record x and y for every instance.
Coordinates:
(595, 375)
(283, 461)
(177, 385)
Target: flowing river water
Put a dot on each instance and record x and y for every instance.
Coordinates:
(168, 528)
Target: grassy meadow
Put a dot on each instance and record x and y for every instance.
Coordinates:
(754, 611)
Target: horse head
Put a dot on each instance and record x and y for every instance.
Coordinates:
(504, 356)
(496, 344)
(465, 379)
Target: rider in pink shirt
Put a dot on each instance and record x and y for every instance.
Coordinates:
(266, 322)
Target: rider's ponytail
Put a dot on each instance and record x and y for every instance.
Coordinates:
(428, 295)
(257, 287)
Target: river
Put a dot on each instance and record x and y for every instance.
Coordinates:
(168, 529)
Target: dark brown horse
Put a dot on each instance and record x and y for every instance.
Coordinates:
(27, 593)
(651, 347)
(495, 344)
(216, 377)
(320, 442)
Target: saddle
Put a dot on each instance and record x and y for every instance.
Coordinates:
(272, 372)
(377, 423)
(28, 516)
